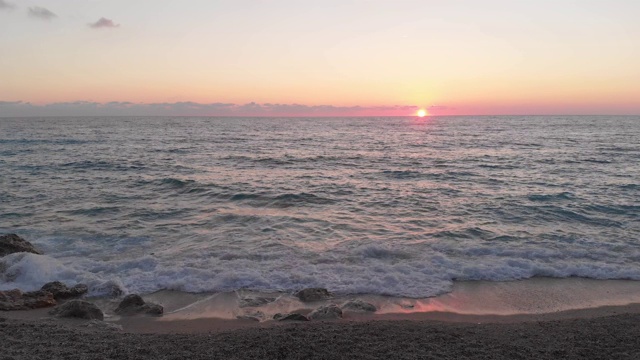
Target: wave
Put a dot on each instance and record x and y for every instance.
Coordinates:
(552, 197)
(421, 271)
(556, 213)
(280, 201)
(102, 165)
(93, 211)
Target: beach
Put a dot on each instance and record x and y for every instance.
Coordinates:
(576, 335)
(536, 319)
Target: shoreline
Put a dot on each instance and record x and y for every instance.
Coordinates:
(547, 331)
(535, 299)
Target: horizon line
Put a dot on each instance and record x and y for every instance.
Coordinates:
(306, 116)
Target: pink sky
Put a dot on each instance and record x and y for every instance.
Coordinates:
(330, 58)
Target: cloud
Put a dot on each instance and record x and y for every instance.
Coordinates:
(88, 108)
(6, 5)
(41, 13)
(103, 23)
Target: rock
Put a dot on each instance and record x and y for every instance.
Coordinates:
(132, 300)
(358, 306)
(313, 294)
(290, 317)
(255, 302)
(108, 289)
(78, 309)
(17, 300)
(328, 312)
(38, 299)
(12, 243)
(153, 309)
(134, 304)
(61, 291)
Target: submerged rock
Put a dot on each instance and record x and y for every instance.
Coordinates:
(255, 301)
(12, 243)
(326, 313)
(61, 291)
(108, 289)
(17, 300)
(358, 306)
(134, 304)
(290, 317)
(313, 294)
(78, 309)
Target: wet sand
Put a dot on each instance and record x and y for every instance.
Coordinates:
(533, 319)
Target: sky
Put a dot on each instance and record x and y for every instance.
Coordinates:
(319, 58)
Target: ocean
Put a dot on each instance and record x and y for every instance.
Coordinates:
(385, 206)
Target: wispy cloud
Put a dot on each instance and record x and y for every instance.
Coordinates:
(41, 13)
(88, 108)
(104, 23)
(6, 5)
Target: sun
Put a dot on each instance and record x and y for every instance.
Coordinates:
(422, 113)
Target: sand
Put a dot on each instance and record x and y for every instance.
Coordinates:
(601, 337)
(533, 319)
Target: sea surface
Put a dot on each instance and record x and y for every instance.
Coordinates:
(389, 206)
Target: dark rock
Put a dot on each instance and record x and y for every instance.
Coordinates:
(132, 300)
(290, 317)
(134, 304)
(153, 309)
(358, 306)
(78, 309)
(108, 289)
(17, 300)
(255, 302)
(326, 313)
(38, 299)
(313, 294)
(61, 291)
(12, 243)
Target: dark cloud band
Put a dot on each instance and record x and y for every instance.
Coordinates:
(41, 13)
(86, 108)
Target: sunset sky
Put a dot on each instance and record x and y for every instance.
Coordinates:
(319, 58)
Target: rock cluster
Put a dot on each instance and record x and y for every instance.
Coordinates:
(78, 309)
(18, 300)
(61, 291)
(12, 243)
(134, 304)
(46, 296)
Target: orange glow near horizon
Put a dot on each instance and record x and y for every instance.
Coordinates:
(422, 113)
(283, 60)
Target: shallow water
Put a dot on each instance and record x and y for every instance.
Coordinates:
(387, 206)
